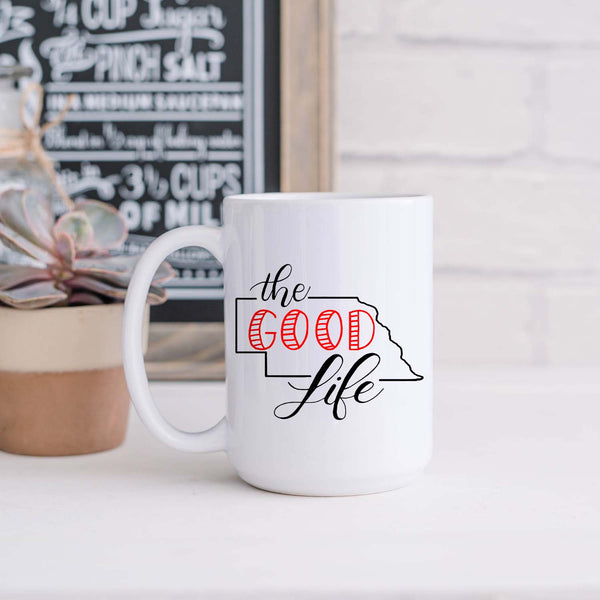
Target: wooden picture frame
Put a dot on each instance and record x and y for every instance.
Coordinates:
(191, 351)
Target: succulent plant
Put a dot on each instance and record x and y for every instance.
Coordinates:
(65, 261)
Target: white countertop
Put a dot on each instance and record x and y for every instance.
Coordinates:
(509, 508)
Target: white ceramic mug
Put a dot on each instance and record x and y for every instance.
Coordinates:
(328, 320)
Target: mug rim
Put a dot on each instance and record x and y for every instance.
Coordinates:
(321, 197)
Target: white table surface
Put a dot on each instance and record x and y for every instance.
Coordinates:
(509, 508)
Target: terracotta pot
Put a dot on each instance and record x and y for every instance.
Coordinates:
(62, 387)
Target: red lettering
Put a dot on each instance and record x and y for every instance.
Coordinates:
(328, 330)
(355, 325)
(322, 331)
(289, 327)
(255, 333)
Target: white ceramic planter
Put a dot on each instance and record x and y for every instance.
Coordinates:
(62, 388)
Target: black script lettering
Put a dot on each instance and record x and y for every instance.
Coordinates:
(334, 396)
(271, 289)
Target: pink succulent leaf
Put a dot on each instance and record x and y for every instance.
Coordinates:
(40, 218)
(156, 295)
(115, 264)
(15, 241)
(118, 269)
(120, 280)
(14, 275)
(65, 247)
(84, 298)
(110, 230)
(164, 273)
(113, 269)
(95, 285)
(75, 224)
(35, 295)
(29, 214)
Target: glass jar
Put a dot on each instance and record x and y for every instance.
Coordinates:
(17, 170)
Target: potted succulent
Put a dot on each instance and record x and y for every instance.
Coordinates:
(62, 388)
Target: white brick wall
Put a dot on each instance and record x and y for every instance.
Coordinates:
(572, 111)
(527, 22)
(494, 109)
(573, 316)
(467, 331)
(420, 102)
(496, 220)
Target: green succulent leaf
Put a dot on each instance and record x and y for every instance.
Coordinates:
(109, 227)
(15, 241)
(78, 227)
(35, 295)
(29, 214)
(14, 275)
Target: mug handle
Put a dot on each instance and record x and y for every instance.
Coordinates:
(212, 439)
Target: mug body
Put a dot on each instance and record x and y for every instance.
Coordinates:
(328, 317)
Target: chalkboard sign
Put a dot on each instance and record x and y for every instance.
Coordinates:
(176, 104)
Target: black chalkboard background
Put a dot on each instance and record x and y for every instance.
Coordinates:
(176, 106)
